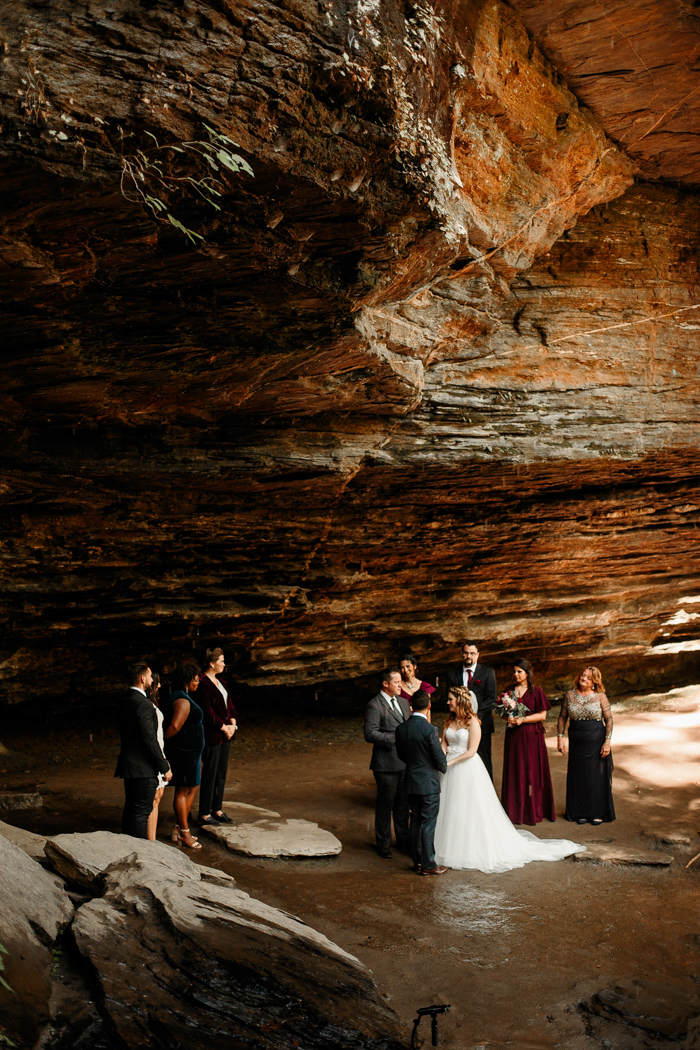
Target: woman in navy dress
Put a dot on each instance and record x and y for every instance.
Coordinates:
(184, 743)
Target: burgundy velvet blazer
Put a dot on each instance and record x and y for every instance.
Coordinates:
(215, 711)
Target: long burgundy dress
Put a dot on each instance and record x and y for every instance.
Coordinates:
(526, 792)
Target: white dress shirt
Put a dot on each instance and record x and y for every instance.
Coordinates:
(466, 672)
(393, 703)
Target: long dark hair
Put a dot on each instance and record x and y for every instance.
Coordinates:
(527, 668)
(154, 689)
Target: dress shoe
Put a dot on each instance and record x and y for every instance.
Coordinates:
(439, 870)
(208, 822)
(222, 818)
(385, 853)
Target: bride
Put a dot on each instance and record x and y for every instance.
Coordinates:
(473, 830)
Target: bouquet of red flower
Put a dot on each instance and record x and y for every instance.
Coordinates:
(508, 706)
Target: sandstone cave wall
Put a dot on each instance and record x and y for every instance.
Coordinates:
(427, 373)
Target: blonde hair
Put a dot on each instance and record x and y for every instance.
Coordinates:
(596, 678)
(465, 711)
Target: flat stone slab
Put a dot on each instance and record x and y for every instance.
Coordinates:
(630, 858)
(673, 839)
(20, 800)
(244, 813)
(277, 838)
(33, 845)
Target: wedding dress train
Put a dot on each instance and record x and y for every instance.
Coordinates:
(473, 830)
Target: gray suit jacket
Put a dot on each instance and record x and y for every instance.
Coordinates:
(380, 725)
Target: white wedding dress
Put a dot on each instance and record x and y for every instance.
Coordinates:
(473, 829)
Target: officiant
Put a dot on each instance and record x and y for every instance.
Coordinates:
(481, 681)
(387, 710)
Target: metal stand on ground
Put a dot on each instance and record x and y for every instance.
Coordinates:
(433, 1011)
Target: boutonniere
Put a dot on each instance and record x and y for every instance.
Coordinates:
(477, 681)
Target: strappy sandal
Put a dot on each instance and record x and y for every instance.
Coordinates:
(192, 844)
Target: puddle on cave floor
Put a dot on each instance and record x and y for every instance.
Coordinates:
(473, 910)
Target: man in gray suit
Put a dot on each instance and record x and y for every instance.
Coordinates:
(384, 713)
(418, 745)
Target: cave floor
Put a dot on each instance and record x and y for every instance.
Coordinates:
(521, 957)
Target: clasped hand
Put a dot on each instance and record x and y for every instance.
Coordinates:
(515, 721)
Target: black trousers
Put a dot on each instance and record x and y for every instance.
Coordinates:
(139, 793)
(424, 814)
(214, 769)
(484, 751)
(391, 799)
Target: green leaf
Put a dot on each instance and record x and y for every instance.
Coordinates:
(178, 226)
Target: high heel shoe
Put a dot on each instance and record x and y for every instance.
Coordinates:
(175, 837)
(192, 844)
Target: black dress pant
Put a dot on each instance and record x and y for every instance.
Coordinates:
(214, 769)
(139, 793)
(484, 751)
(424, 813)
(391, 799)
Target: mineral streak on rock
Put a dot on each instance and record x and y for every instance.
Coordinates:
(357, 414)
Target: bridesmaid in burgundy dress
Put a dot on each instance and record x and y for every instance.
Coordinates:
(410, 682)
(526, 792)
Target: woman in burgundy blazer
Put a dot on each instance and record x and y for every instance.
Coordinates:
(219, 722)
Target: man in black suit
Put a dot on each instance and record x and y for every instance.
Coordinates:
(481, 681)
(418, 745)
(383, 714)
(141, 758)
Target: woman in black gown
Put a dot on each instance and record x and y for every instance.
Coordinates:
(184, 743)
(589, 773)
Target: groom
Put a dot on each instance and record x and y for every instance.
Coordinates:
(418, 745)
(481, 680)
(385, 712)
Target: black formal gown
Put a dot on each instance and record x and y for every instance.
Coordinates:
(589, 775)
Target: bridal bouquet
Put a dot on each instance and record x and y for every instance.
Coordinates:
(509, 706)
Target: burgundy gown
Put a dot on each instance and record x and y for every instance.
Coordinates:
(526, 792)
(425, 686)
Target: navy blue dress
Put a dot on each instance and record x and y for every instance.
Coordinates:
(184, 750)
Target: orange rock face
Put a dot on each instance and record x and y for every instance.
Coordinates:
(429, 371)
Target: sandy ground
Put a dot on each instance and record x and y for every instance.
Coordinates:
(519, 955)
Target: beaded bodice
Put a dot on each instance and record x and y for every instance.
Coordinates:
(594, 707)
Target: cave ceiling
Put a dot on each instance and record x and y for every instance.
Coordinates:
(431, 369)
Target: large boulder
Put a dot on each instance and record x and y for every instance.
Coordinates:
(33, 908)
(82, 858)
(33, 845)
(191, 964)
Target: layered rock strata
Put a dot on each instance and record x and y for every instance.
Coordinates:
(395, 394)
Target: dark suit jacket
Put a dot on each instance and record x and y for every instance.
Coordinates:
(141, 754)
(418, 745)
(216, 711)
(484, 689)
(380, 725)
